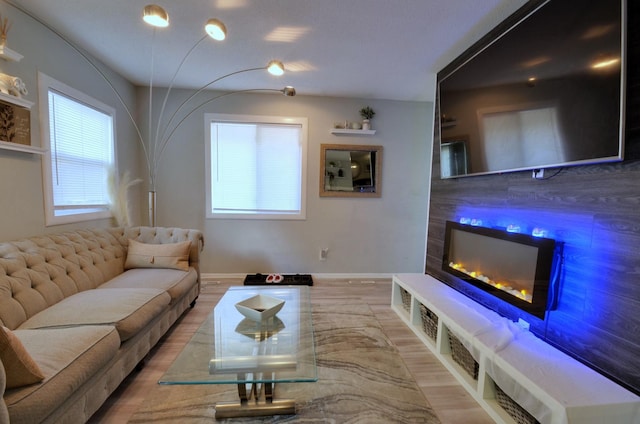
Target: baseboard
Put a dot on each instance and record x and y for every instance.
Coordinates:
(215, 276)
(328, 276)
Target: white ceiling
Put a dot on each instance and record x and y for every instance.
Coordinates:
(379, 49)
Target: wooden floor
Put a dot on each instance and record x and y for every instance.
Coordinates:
(450, 401)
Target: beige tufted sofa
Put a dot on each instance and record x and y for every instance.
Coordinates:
(85, 320)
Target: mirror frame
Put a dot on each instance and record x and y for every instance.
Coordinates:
(351, 148)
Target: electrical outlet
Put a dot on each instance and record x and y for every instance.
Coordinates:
(538, 174)
(324, 252)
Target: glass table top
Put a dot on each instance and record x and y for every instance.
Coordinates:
(229, 348)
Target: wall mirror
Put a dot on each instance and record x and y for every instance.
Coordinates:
(350, 171)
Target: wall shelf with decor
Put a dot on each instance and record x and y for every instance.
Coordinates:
(340, 131)
(11, 55)
(15, 128)
(513, 375)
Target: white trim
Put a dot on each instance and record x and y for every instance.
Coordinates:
(261, 119)
(45, 82)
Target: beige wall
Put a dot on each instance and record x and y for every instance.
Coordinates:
(372, 235)
(21, 195)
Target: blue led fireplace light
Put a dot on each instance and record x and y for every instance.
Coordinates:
(590, 259)
(535, 223)
(509, 225)
(539, 232)
(511, 228)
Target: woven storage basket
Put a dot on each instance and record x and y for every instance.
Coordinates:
(429, 322)
(462, 356)
(517, 412)
(406, 299)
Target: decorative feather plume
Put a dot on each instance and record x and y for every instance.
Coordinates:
(5, 26)
(118, 193)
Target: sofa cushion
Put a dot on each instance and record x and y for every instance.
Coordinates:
(69, 358)
(168, 255)
(21, 369)
(128, 309)
(176, 283)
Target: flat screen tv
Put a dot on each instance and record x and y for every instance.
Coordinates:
(543, 89)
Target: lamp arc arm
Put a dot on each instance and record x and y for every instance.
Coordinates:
(165, 141)
(173, 79)
(188, 99)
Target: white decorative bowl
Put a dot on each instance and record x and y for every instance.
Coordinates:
(259, 307)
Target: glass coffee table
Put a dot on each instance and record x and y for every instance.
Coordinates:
(230, 348)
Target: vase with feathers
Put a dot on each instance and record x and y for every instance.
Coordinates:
(119, 195)
(5, 26)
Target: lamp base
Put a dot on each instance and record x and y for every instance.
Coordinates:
(152, 208)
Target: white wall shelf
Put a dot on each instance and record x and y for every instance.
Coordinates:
(550, 385)
(16, 100)
(17, 147)
(7, 54)
(340, 131)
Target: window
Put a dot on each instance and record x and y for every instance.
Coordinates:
(521, 136)
(78, 133)
(256, 166)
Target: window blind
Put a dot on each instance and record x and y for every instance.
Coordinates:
(256, 168)
(81, 153)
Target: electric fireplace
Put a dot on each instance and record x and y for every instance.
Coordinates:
(518, 268)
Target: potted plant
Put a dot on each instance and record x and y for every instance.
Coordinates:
(367, 113)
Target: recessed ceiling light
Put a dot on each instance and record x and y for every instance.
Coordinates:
(286, 34)
(300, 66)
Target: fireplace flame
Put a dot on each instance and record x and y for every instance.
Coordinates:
(522, 294)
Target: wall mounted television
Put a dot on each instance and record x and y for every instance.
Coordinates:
(544, 89)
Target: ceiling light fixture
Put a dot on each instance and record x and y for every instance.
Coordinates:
(155, 15)
(216, 29)
(275, 67)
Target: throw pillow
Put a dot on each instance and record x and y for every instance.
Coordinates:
(20, 368)
(168, 255)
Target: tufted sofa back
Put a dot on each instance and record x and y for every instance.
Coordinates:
(159, 235)
(40, 271)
